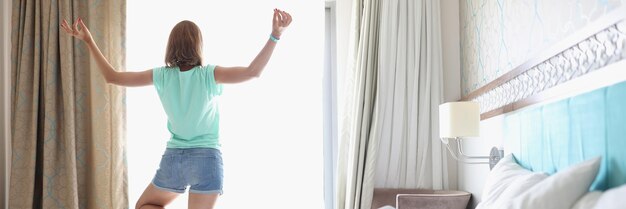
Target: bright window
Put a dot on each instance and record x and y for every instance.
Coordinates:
(271, 128)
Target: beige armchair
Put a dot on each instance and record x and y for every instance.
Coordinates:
(420, 199)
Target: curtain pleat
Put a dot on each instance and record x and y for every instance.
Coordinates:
(358, 145)
(410, 90)
(389, 133)
(68, 137)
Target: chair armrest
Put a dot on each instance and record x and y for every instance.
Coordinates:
(387, 196)
(457, 200)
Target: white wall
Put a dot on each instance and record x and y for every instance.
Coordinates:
(472, 177)
(451, 50)
(451, 58)
(5, 105)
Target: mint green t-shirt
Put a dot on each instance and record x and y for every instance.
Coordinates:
(189, 99)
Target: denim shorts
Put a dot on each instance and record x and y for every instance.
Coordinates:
(199, 168)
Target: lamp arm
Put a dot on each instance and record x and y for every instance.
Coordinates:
(460, 148)
(462, 159)
(495, 155)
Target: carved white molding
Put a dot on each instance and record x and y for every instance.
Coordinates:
(603, 48)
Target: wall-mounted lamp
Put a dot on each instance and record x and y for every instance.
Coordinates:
(462, 119)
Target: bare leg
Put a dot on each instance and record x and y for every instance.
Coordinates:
(153, 198)
(202, 201)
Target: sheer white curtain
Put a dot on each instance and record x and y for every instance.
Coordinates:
(271, 127)
(358, 145)
(392, 87)
(409, 92)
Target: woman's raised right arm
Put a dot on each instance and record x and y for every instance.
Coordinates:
(142, 78)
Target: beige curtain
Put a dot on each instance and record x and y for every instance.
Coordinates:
(358, 146)
(68, 124)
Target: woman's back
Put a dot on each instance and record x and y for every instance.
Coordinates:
(189, 99)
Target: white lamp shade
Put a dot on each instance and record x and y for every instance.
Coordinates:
(459, 119)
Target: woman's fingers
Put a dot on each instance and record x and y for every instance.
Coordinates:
(288, 18)
(65, 27)
(282, 18)
(283, 14)
(276, 17)
(68, 31)
(82, 24)
(62, 25)
(75, 27)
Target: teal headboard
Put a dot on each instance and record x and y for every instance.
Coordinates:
(554, 136)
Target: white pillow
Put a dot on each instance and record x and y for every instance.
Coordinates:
(613, 199)
(588, 201)
(517, 187)
(501, 177)
(561, 190)
(387, 207)
(502, 174)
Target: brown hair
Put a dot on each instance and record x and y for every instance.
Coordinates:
(184, 47)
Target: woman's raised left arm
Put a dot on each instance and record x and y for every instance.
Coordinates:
(280, 22)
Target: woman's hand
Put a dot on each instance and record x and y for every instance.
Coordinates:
(82, 33)
(109, 73)
(280, 22)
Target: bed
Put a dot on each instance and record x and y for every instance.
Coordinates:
(564, 126)
(564, 117)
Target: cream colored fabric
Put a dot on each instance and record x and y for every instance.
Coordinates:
(357, 146)
(612, 199)
(68, 124)
(588, 201)
(409, 94)
(560, 190)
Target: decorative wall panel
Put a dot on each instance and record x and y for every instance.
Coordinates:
(499, 35)
(595, 52)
